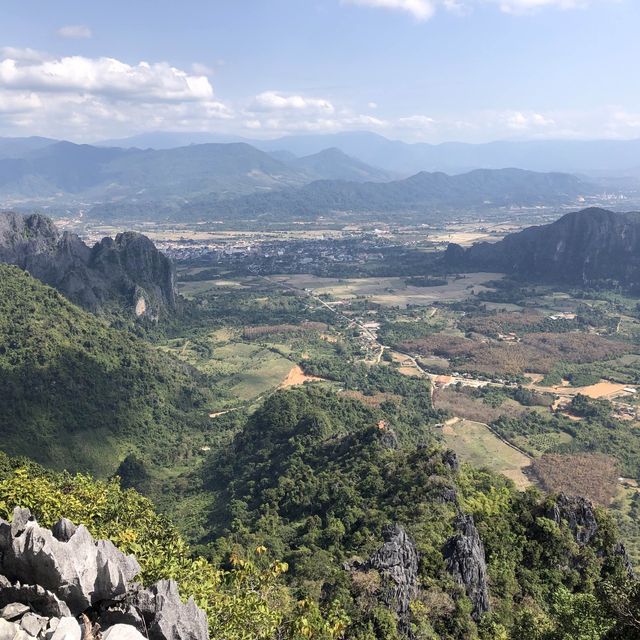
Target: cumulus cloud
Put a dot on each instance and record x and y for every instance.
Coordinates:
(425, 9)
(75, 31)
(419, 9)
(103, 76)
(79, 96)
(274, 101)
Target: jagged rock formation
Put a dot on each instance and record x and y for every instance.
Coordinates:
(466, 562)
(589, 246)
(577, 512)
(127, 271)
(397, 563)
(54, 581)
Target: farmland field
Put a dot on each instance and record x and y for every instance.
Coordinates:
(476, 444)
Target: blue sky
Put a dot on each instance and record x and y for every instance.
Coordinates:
(428, 70)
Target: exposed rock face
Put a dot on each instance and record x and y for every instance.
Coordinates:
(51, 578)
(166, 616)
(79, 571)
(397, 563)
(578, 514)
(128, 271)
(592, 245)
(466, 562)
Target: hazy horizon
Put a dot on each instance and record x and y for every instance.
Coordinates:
(413, 70)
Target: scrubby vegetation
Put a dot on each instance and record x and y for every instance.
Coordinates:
(592, 475)
(76, 394)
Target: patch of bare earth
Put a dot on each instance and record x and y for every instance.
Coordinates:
(296, 377)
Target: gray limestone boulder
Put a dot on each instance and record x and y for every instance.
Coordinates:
(579, 515)
(122, 632)
(466, 562)
(166, 616)
(397, 563)
(79, 571)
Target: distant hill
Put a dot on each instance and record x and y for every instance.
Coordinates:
(593, 157)
(333, 164)
(585, 247)
(128, 272)
(78, 395)
(39, 170)
(421, 193)
(18, 147)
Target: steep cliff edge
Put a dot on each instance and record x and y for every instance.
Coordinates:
(584, 247)
(127, 271)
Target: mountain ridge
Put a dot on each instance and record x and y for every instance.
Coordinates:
(582, 247)
(127, 271)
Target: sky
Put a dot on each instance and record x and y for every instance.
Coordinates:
(416, 70)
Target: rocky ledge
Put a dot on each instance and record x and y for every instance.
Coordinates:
(61, 584)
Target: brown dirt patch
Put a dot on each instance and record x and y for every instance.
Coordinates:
(296, 377)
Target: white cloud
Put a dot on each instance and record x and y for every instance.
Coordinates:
(274, 101)
(103, 76)
(419, 9)
(77, 96)
(416, 122)
(519, 121)
(425, 9)
(524, 6)
(75, 31)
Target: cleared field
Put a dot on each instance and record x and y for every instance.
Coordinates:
(391, 291)
(476, 444)
(191, 289)
(602, 389)
(296, 377)
(244, 371)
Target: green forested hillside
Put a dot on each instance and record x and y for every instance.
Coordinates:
(316, 478)
(78, 395)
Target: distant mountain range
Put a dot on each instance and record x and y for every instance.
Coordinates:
(127, 272)
(33, 168)
(237, 181)
(423, 193)
(591, 246)
(592, 157)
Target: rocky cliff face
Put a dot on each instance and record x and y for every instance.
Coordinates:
(589, 246)
(466, 562)
(128, 271)
(578, 513)
(397, 563)
(63, 585)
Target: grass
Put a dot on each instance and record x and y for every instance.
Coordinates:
(625, 510)
(477, 445)
(242, 371)
(391, 291)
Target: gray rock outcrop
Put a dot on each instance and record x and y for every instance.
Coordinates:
(78, 571)
(578, 513)
(52, 578)
(397, 563)
(127, 271)
(589, 246)
(466, 562)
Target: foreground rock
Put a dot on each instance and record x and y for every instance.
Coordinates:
(397, 563)
(466, 562)
(54, 583)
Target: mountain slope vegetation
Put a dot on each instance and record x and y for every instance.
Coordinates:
(78, 395)
(422, 193)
